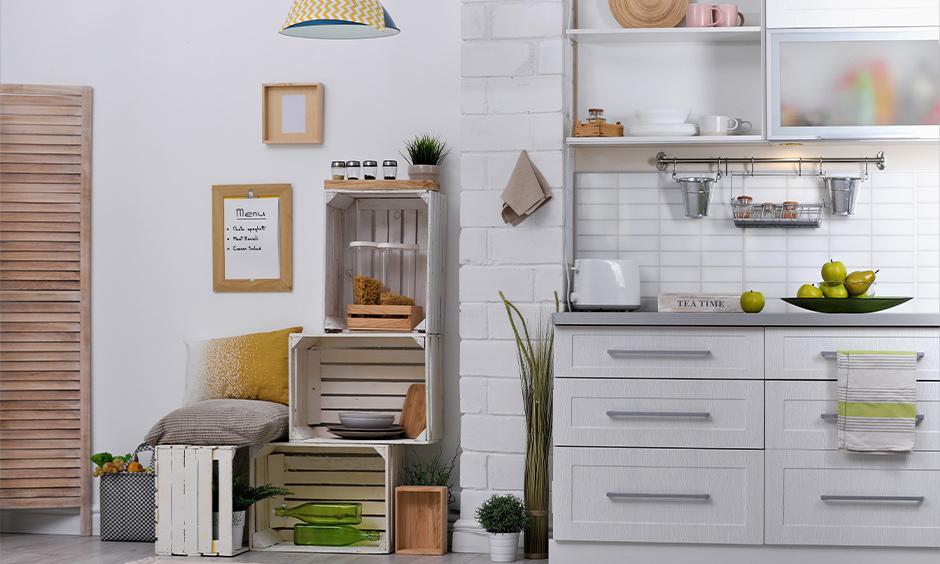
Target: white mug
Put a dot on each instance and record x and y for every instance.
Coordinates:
(743, 127)
(717, 125)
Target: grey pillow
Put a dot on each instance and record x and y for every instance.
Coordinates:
(221, 422)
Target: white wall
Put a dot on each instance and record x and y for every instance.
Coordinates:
(177, 108)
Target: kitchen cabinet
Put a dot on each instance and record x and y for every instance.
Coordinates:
(672, 431)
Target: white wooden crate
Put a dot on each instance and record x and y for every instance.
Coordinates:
(385, 216)
(365, 474)
(184, 500)
(371, 372)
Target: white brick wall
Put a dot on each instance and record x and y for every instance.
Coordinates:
(512, 99)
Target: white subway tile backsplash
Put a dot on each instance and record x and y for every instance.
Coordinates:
(638, 211)
(722, 274)
(638, 243)
(846, 243)
(710, 258)
(734, 241)
(684, 226)
(893, 195)
(597, 243)
(891, 242)
(595, 180)
(926, 178)
(669, 259)
(597, 227)
(928, 227)
(638, 227)
(893, 211)
(639, 180)
(892, 258)
(587, 196)
(927, 211)
(765, 241)
(592, 212)
(892, 179)
(677, 243)
(634, 196)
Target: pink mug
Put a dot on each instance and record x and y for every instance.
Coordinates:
(728, 15)
(699, 15)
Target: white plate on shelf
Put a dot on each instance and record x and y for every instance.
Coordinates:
(354, 420)
(662, 130)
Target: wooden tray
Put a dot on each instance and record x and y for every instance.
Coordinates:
(598, 129)
(642, 13)
(383, 317)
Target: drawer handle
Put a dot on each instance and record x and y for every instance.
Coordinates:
(657, 414)
(639, 352)
(909, 498)
(616, 495)
(831, 416)
(833, 354)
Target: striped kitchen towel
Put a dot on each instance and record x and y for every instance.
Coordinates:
(877, 401)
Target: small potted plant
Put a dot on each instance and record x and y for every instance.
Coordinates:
(425, 155)
(243, 497)
(504, 518)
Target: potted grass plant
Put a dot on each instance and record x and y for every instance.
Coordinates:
(503, 517)
(243, 497)
(535, 353)
(425, 155)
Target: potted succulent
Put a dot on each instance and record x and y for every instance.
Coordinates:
(243, 497)
(425, 155)
(503, 517)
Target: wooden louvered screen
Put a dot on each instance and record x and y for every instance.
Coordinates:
(45, 204)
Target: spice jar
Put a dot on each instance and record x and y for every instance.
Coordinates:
(389, 169)
(768, 210)
(790, 210)
(366, 288)
(398, 272)
(338, 170)
(369, 170)
(596, 115)
(352, 170)
(743, 209)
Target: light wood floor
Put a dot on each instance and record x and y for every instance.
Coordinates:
(70, 549)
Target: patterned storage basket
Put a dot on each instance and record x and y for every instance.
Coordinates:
(129, 504)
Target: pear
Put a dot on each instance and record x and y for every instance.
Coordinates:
(837, 291)
(809, 291)
(859, 281)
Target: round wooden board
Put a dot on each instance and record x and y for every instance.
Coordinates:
(648, 13)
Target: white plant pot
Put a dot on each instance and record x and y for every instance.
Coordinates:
(238, 527)
(424, 172)
(503, 546)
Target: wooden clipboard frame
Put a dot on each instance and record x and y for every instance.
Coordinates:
(271, 112)
(283, 193)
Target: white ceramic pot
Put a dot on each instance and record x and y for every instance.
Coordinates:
(424, 172)
(238, 527)
(503, 546)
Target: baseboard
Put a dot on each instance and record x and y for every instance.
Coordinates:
(47, 521)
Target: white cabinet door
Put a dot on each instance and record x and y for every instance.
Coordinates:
(802, 415)
(658, 495)
(850, 13)
(804, 353)
(659, 352)
(831, 498)
(659, 413)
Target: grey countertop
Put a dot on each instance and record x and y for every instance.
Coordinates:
(808, 319)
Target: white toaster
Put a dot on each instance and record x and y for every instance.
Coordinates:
(600, 284)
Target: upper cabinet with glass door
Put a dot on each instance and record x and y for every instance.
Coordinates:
(834, 71)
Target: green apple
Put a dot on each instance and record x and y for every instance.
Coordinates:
(859, 281)
(833, 272)
(837, 291)
(809, 291)
(752, 302)
(862, 295)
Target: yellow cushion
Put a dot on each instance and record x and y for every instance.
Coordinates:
(245, 367)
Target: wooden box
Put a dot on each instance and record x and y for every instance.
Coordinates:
(598, 129)
(421, 519)
(383, 317)
(416, 217)
(184, 500)
(338, 372)
(365, 474)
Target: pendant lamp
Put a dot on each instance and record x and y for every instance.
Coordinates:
(338, 19)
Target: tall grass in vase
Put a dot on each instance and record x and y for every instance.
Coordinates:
(535, 353)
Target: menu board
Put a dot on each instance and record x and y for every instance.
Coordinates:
(252, 250)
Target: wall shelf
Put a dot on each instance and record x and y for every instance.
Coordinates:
(746, 34)
(683, 140)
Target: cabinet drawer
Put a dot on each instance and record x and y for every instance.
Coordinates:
(830, 498)
(797, 354)
(795, 409)
(660, 495)
(659, 413)
(659, 352)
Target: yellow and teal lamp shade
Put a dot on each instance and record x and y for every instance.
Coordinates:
(338, 19)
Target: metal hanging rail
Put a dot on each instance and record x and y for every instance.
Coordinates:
(662, 161)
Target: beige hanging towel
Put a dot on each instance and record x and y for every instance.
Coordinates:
(526, 191)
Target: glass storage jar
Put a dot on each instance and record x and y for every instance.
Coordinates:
(338, 170)
(389, 169)
(399, 261)
(369, 170)
(352, 170)
(366, 288)
(743, 209)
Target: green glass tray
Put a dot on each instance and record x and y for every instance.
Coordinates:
(846, 305)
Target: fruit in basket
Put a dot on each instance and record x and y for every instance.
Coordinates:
(135, 467)
(752, 302)
(836, 291)
(833, 272)
(859, 281)
(809, 291)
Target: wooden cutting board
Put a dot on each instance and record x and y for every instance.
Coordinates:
(413, 413)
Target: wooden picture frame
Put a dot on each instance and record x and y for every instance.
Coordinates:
(292, 113)
(222, 238)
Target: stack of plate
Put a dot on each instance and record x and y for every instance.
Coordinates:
(663, 130)
(357, 425)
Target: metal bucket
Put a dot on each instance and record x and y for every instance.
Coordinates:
(842, 192)
(696, 194)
